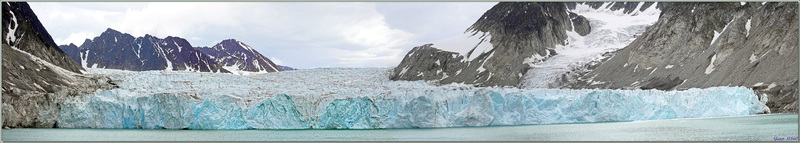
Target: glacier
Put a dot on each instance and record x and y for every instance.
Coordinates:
(611, 30)
(364, 98)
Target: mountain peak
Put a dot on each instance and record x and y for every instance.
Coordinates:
(234, 43)
(230, 40)
(109, 30)
(87, 41)
(231, 52)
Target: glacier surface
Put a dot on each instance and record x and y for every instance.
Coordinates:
(353, 98)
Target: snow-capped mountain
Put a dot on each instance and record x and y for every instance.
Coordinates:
(37, 76)
(116, 50)
(238, 57)
(699, 45)
(500, 47)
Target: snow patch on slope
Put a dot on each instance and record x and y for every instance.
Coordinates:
(716, 34)
(234, 69)
(478, 43)
(11, 35)
(84, 57)
(69, 75)
(747, 26)
(710, 67)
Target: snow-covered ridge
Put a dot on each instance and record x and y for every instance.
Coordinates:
(345, 98)
(139, 53)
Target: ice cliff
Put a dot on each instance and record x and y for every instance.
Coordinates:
(367, 99)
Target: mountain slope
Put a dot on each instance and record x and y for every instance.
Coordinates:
(699, 45)
(23, 24)
(502, 45)
(37, 76)
(116, 50)
(237, 56)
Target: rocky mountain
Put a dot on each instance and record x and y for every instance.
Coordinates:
(286, 68)
(36, 74)
(236, 56)
(699, 45)
(502, 45)
(116, 50)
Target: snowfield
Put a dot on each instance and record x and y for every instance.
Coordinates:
(365, 98)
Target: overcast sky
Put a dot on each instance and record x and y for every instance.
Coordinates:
(301, 35)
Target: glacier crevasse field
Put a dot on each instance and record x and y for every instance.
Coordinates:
(364, 98)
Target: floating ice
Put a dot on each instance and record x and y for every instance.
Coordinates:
(367, 99)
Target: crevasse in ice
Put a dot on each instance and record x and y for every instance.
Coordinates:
(377, 103)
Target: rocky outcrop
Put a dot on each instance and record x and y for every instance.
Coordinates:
(240, 56)
(580, 23)
(37, 76)
(699, 45)
(517, 34)
(117, 50)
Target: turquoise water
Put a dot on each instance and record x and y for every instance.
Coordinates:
(742, 128)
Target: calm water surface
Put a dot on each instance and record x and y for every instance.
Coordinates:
(743, 128)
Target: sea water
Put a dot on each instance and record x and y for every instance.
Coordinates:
(773, 127)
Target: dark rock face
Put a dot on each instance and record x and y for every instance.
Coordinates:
(29, 35)
(37, 75)
(116, 50)
(425, 63)
(521, 34)
(580, 23)
(72, 49)
(286, 68)
(231, 52)
(699, 45)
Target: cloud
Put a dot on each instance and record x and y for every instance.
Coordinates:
(177, 18)
(310, 34)
(74, 22)
(276, 60)
(75, 38)
(433, 21)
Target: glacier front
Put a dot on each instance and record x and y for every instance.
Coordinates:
(351, 98)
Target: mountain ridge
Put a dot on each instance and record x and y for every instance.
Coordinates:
(236, 54)
(116, 50)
